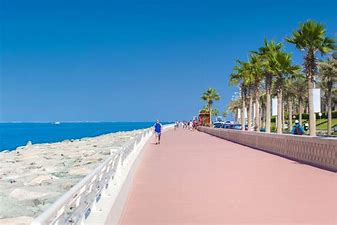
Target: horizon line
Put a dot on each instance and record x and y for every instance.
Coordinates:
(80, 121)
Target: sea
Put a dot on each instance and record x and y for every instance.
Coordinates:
(13, 135)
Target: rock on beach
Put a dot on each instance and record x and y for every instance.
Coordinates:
(34, 176)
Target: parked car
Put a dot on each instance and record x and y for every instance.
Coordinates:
(227, 126)
(218, 124)
(236, 127)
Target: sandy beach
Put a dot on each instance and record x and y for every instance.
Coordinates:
(32, 177)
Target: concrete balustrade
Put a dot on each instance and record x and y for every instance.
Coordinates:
(99, 197)
(316, 151)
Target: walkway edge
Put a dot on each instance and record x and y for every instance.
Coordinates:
(117, 208)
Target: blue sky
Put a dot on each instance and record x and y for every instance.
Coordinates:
(133, 60)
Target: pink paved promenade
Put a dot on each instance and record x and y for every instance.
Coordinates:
(194, 178)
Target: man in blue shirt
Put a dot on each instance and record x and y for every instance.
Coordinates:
(157, 131)
(298, 129)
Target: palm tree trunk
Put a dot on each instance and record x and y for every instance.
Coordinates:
(283, 114)
(250, 112)
(268, 112)
(263, 110)
(300, 110)
(257, 110)
(279, 111)
(329, 112)
(312, 116)
(290, 109)
(307, 108)
(309, 67)
(210, 114)
(261, 117)
(268, 104)
(243, 109)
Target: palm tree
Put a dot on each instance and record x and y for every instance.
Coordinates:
(210, 95)
(240, 75)
(311, 37)
(290, 94)
(328, 77)
(263, 109)
(283, 68)
(250, 109)
(224, 114)
(215, 112)
(266, 52)
(233, 107)
(299, 88)
(246, 71)
(256, 73)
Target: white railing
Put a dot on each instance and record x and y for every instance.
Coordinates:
(76, 205)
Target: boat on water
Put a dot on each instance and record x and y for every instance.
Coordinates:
(57, 123)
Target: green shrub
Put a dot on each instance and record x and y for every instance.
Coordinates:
(305, 116)
(273, 119)
(273, 128)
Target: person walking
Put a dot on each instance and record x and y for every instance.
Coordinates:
(157, 130)
(195, 124)
(298, 129)
(190, 124)
(176, 125)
